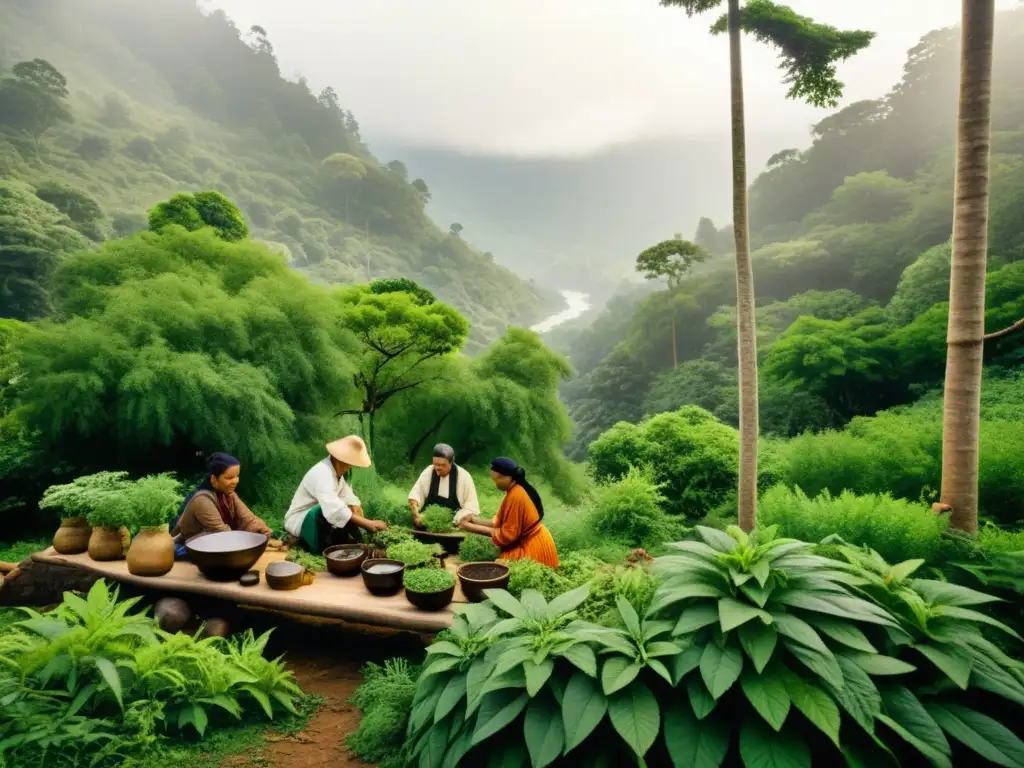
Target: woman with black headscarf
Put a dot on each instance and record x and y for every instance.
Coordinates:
(214, 506)
(517, 529)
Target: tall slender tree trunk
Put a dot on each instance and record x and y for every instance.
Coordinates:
(965, 334)
(675, 349)
(746, 338)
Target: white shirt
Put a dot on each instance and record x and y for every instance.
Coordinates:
(465, 491)
(322, 486)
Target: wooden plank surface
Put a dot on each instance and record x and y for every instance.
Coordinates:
(328, 596)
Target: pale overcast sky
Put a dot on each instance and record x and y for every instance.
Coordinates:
(558, 77)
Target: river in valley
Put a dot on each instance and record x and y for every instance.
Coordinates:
(577, 302)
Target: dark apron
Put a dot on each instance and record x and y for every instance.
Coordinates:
(452, 500)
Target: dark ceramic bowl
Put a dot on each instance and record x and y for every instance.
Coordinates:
(383, 584)
(476, 577)
(450, 541)
(286, 575)
(226, 555)
(346, 560)
(430, 601)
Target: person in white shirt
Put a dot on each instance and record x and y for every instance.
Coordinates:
(435, 484)
(325, 510)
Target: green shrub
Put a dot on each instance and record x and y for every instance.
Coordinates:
(428, 580)
(413, 552)
(631, 510)
(478, 549)
(896, 528)
(692, 456)
(529, 574)
(437, 519)
(385, 699)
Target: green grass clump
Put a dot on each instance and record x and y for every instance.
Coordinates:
(385, 700)
(413, 552)
(437, 519)
(898, 530)
(307, 560)
(529, 574)
(16, 551)
(428, 580)
(388, 538)
(477, 549)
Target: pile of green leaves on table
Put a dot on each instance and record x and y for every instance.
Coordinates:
(752, 650)
(428, 580)
(413, 552)
(437, 519)
(92, 683)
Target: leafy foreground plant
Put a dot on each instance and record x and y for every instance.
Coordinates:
(385, 699)
(93, 684)
(961, 681)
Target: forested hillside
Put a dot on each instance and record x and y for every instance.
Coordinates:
(851, 268)
(160, 98)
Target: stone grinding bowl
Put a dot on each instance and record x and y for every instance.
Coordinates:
(226, 555)
(476, 577)
(348, 565)
(383, 584)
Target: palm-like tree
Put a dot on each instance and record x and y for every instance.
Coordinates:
(809, 53)
(965, 337)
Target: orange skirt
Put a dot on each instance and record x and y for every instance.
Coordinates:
(540, 546)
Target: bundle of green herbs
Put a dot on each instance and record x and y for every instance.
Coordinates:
(428, 580)
(437, 519)
(413, 552)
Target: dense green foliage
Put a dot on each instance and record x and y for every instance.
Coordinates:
(144, 103)
(385, 700)
(851, 266)
(428, 580)
(93, 683)
(413, 553)
(437, 519)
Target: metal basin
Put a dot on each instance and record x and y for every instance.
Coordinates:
(226, 555)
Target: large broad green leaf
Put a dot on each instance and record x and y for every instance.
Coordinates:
(534, 603)
(799, 630)
(716, 539)
(537, 675)
(635, 715)
(945, 593)
(628, 614)
(843, 632)
(858, 694)
(480, 672)
(450, 697)
(444, 647)
(423, 707)
(991, 677)
(905, 714)
(900, 571)
(568, 601)
(879, 665)
(761, 570)
(458, 746)
(815, 704)
(505, 602)
(760, 747)
(692, 743)
(989, 738)
(617, 673)
(542, 729)
(109, 673)
(758, 641)
(703, 703)
(720, 667)
(697, 617)
(698, 548)
(824, 666)
(669, 595)
(981, 618)
(582, 657)
(759, 593)
(497, 710)
(686, 662)
(835, 605)
(512, 659)
(732, 613)
(955, 663)
(434, 745)
(583, 708)
(767, 693)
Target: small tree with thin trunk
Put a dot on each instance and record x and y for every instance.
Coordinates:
(671, 260)
(809, 53)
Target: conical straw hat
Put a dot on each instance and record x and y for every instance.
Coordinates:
(350, 450)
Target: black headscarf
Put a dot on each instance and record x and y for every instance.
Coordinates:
(216, 465)
(508, 468)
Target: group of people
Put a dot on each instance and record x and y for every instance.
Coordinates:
(325, 510)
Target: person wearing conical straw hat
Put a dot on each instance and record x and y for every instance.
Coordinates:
(325, 510)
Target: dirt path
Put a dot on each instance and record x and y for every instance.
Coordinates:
(326, 659)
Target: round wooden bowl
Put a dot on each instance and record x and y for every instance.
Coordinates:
(476, 577)
(430, 601)
(383, 584)
(286, 575)
(347, 565)
(226, 555)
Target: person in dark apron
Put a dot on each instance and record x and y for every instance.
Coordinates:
(444, 484)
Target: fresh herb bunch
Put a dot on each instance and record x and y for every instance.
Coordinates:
(309, 561)
(428, 580)
(529, 574)
(413, 552)
(385, 699)
(437, 519)
(85, 495)
(478, 549)
(152, 501)
(389, 537)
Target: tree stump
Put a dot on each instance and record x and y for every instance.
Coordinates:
(35, 583)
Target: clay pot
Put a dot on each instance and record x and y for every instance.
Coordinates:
(106, 544)
(151, 552)
(72, 538)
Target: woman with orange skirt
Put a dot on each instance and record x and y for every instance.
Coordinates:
(517, 529)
